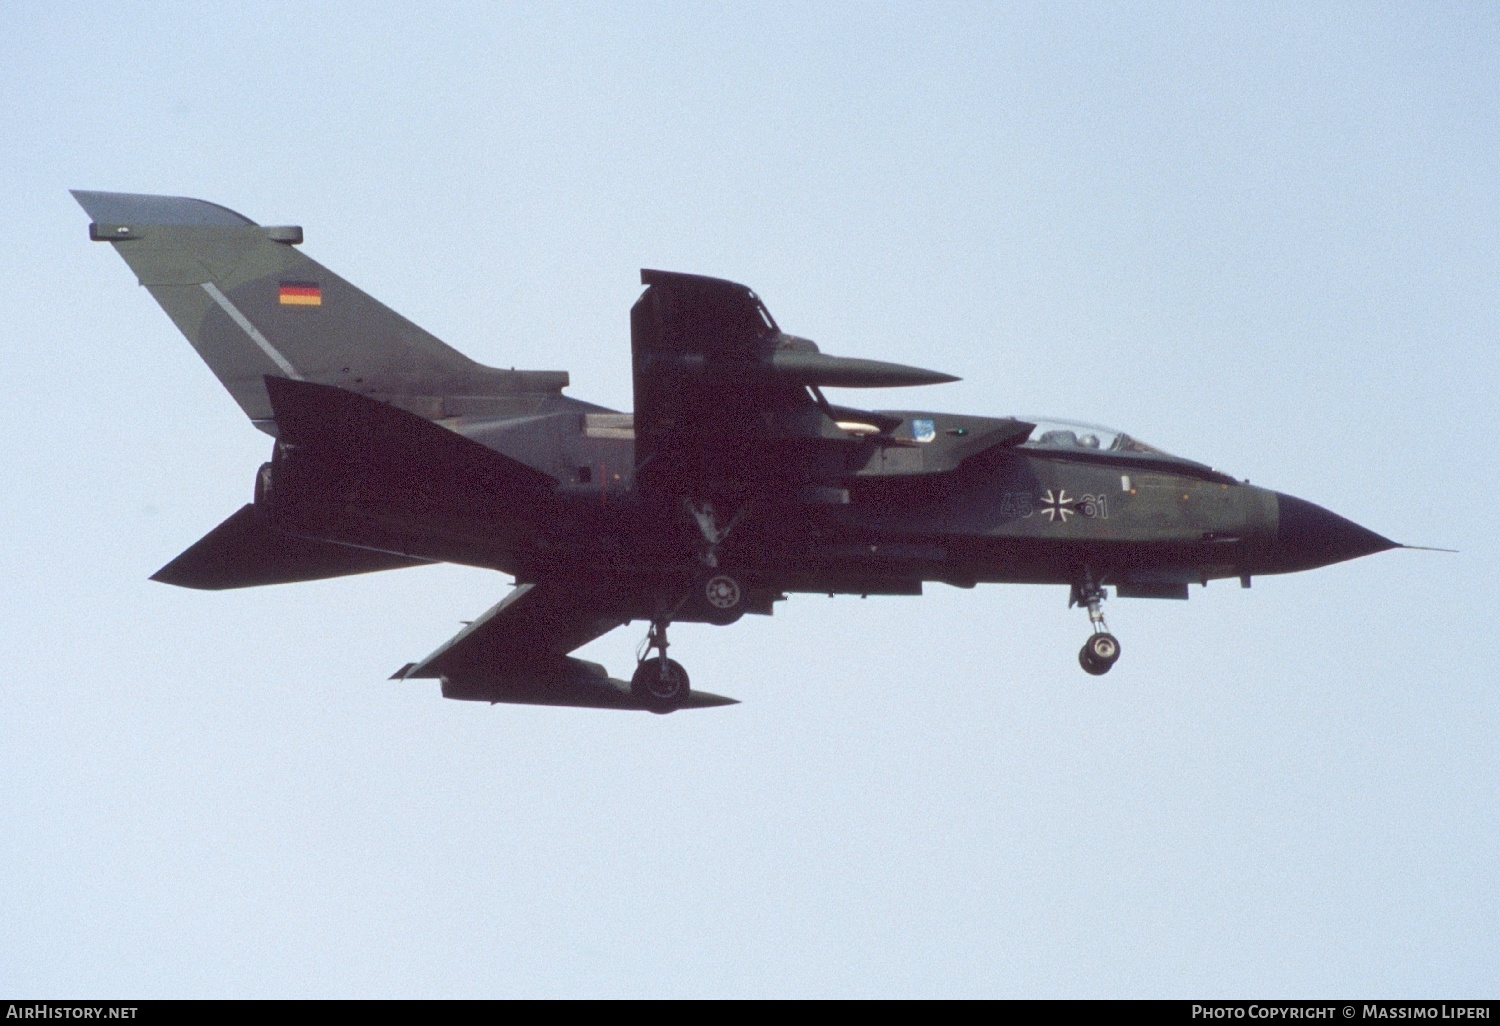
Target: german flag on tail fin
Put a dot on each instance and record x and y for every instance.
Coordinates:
(300, 293)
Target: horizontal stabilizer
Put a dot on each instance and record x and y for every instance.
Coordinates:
(245, 552)
(354, 437)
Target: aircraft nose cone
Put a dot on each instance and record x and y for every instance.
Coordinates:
(1308, 535)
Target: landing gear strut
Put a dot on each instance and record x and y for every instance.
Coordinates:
(721, 595)
(660, 684)
(1101, 651)
(712, 533)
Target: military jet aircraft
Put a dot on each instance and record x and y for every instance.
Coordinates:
(733, 483)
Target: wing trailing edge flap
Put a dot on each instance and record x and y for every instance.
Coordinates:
(517, 653)
(245, 551)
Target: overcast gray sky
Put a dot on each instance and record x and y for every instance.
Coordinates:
(1260, 235)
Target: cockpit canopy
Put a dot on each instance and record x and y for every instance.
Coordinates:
(1095, 442)
(1068, 435)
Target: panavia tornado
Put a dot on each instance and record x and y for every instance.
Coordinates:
(733, 483)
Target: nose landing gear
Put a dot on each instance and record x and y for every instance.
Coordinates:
(1099, 653)
(660, 684)
(1102, 650)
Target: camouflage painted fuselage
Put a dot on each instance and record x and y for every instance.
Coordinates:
(733, 483)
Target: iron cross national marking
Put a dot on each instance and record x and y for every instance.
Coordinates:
(1059, 506)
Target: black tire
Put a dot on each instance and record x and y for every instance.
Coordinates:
(1089, 664)
(660, 692)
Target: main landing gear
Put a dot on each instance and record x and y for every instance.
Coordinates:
(660, 684)
(720, 595)
(714, 595)
(712, 533)
(1101, 651)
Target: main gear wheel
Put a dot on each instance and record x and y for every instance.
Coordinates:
(660, 684)
(724, 593)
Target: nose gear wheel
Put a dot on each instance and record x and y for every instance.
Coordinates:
(1099, 653)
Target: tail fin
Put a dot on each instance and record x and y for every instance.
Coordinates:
(253, 305)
